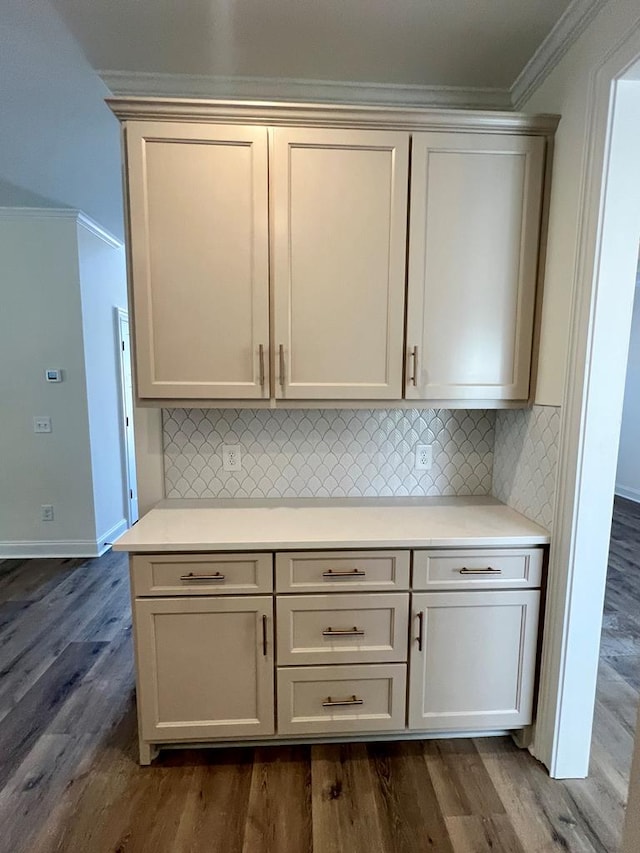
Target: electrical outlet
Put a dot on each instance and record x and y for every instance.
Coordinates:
(42, 423)
(424, 457)
(231, 457)
(46, 512)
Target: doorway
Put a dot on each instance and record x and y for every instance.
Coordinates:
(123, 346)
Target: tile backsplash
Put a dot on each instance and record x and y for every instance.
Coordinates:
(327, 452)
(526, 459)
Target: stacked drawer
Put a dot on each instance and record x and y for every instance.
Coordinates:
(342, 634)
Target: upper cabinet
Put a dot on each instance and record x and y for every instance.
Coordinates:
(292, 253)
(198, 207)
(473, 261)
(339, 216)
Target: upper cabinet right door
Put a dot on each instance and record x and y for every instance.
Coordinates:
(473, 258)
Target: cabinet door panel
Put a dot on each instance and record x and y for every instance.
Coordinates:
(474, 234)
(199, 250)
(476, 669)
(339, 215)
(202, 668)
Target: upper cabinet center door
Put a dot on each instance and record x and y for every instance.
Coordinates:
(199, 259)
(473, 256)
(339, 210)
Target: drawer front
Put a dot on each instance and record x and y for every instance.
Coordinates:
(200, 574)
(334, 699)
(342, 629)
(514, 568)
(342, 571)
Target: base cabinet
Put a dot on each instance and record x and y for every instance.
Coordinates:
(472, 664)
(205, 667)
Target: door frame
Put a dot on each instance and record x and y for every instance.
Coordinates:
(594, 383)
(122, 316)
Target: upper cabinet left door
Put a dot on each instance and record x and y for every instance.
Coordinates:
(198, 220)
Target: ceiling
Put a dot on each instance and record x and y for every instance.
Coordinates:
(452, 43)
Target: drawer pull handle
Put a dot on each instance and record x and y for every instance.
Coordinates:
(336, 703)
(488, 571)
(343, 632)
(352, 573)
(192, 577)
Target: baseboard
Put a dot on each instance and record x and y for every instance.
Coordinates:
(107, 539)
(62, 547)
(628, 493)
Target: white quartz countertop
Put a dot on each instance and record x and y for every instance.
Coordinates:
(180, 525)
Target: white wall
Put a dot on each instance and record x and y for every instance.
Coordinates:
(40, 326)
(103, 286)
(628, 473)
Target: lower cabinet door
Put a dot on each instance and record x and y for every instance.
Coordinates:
(334, 699)
(473, 659)
(205, 667)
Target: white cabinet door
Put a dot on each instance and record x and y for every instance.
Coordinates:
(473, 255)
(472, 660)
(199, 259)
(205, 667)
(339, 217)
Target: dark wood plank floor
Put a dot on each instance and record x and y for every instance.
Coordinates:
(69, 778)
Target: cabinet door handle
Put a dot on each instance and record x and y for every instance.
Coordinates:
(352, 573)
(264, 635)
(343, 632)
(420, 637)
(335, 703)
(413, 355)
(261, 356)
(488, 571)
(282, 374)
(192, 577)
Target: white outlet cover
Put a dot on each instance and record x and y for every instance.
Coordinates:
(231, 457)
(42, 423)
(424, 457)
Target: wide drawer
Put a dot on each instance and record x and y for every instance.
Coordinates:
(342, 571)
(201, 574)
(342, 629)
(514, 568)
(334, 699)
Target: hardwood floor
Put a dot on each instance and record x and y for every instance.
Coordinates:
(69, 778)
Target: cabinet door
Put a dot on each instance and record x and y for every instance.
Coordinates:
(339, 237)
(473, 660)
(199, 259)
(473, 255)
(205, 667)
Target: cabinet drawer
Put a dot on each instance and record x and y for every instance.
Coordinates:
(469, 569)
(342, 629)
(200, 574)
(342, 571)
(334, 699)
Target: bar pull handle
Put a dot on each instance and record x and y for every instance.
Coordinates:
(420, 637)
(488, 571)
(264, 635)
(192, 577)
(282, 369)
(335, 703)
(343, 632)
(262, 373)
(352, 573)
(413, 355)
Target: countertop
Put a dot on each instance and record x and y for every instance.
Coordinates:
(182, 525)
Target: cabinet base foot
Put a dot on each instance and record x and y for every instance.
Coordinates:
(523, 737)
(147, 752)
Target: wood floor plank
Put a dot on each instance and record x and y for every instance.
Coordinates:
(29, 718)
(460, 778)
(344, 805)
(475, 834)
(278, 813)
(409, 812)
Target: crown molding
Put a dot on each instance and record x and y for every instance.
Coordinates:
(70, 213)
(126, 84)
(567, 29)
